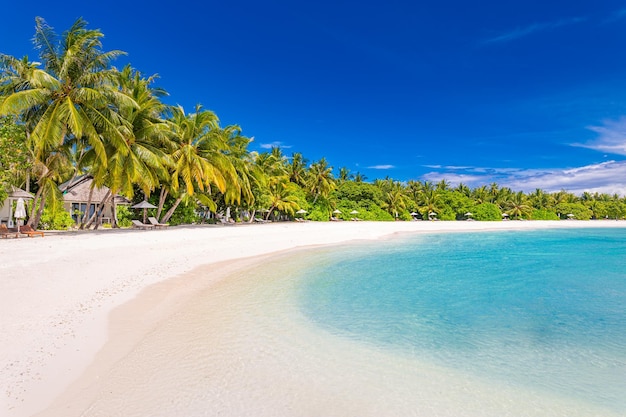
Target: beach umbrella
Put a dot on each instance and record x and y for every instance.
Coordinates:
(20, 212)
(468, 214)
(354, 212)
(505, 215)
(570, 215)
(413, 214)
(301, 211)
(337, 212)
(145, 206)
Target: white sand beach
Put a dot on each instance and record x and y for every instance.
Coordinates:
(78, 308)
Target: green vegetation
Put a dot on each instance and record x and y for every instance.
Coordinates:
(73, 113)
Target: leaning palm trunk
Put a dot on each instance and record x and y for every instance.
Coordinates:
(86, 214)
(97, 216)
(169, 213)
(39, 195)
(162, 198)
(114, 214)
(42, 204)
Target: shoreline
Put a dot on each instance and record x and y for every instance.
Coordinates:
(59, 294)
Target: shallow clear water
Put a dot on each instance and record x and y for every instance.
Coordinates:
(542, 310)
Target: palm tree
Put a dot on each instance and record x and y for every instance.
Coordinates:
(344, 174)
(518, 206)
(73, 99)
(443, 185)
(248, 176)
(198, 159)
(430, 199)
(297, 169)
(463, 189)
(320, 181)
(359, 178)
(149, 140)
(282, 197)
(480, 194)
(395, 199)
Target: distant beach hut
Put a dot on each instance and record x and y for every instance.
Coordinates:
(20, 212)
(145, 206)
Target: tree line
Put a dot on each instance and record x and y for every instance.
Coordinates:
(73, 113)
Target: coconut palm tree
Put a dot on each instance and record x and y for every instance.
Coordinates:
(396, 198)
(199, 159)
(297, 169)
(73, 99)
(430, 199)
(345, 175)
(282, 197)
(320, 181)
(146, 163)
(518, 206)
(359, 178)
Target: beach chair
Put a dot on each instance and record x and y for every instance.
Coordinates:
(154, 222)
(140, 225)
(29, 231)
(5, 232)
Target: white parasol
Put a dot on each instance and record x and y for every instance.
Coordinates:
(20, 212)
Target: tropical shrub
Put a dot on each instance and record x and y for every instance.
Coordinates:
(124, 216)
(486, 212)
(578, 210)
(184, 214)
(56, 218)
(543, 214)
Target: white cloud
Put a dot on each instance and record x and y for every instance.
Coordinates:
(611, 137)
(521, 32)
(381, 167)
(452, 178)
(275, 144)
(606, 177)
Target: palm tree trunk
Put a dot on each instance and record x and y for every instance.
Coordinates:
(114, 213)
(169, 213)
(42, 204)
(84, 219)
(33, 209)
(162, 197)
(98, 214)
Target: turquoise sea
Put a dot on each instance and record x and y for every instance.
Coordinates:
(543, 311)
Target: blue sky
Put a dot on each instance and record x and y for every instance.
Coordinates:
(528, 94)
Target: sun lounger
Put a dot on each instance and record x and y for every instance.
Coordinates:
(154, 222)
(140, 225)
(29, 231)
(5, 232)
